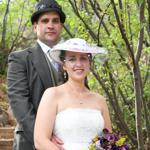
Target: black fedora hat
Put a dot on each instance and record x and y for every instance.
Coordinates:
(46, 6)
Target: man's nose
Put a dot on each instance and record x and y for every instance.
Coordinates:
(50, 24)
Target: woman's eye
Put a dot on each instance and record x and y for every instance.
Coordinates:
(74, 59)
(84, 58)
(71, 59)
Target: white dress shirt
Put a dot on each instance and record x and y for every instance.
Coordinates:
(46, 49)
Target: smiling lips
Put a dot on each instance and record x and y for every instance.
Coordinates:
(79, 70)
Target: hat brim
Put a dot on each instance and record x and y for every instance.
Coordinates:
(35, 15)
(55, 52)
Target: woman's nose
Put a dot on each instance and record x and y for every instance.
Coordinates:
(78, 62)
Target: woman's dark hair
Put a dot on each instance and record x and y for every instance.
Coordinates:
(62, 58)
(62, 55)
(65, 74)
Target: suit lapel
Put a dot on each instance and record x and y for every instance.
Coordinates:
(56, 74)
(39, 61)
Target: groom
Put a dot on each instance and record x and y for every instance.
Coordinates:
(31, 71)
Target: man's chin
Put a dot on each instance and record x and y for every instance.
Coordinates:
(51, 41)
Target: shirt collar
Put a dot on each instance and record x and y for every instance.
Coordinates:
(44, 47)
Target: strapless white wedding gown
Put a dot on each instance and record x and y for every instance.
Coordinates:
(77, 126)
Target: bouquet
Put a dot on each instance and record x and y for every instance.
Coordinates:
(108, 141)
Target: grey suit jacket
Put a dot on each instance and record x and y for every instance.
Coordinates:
(28, 77)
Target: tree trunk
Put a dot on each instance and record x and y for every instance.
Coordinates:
(138, 106)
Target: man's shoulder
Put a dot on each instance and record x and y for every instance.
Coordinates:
(20, 52)
(26, 50)
(22, 55)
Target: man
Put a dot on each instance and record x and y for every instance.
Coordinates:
(31, 71)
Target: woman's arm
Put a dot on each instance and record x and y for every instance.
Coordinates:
(45, 121)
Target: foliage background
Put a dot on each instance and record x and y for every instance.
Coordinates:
(123, 28)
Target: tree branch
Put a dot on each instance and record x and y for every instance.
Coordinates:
(100, 18)
(3, 40)
(129, 24)
(75, 8)
(148, 3)
(20, 30)
(112, 100)
(122, 31)
(68, 31)
(141, 33)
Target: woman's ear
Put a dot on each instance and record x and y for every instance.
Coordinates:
(64, 68)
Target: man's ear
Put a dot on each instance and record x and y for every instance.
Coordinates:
(34, 26)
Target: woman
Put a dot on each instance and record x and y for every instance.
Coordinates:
(71, 111)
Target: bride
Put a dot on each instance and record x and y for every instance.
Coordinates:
(71, 111)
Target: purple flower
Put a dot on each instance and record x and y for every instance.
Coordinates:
(109, 142)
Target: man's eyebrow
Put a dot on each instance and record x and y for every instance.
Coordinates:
(56, 18)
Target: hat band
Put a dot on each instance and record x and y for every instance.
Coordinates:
(43, 6)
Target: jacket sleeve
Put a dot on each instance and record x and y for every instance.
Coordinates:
(19, 94)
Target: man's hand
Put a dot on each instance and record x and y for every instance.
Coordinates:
(58, 142)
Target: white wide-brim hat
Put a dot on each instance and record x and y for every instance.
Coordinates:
(75, 45)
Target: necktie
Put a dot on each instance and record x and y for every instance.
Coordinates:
(59, 70)
(56, 65)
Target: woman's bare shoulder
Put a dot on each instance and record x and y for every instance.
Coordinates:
(99, 97)
(50, 91)
(54, 90)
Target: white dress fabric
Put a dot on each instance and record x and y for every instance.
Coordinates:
(76, 127)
